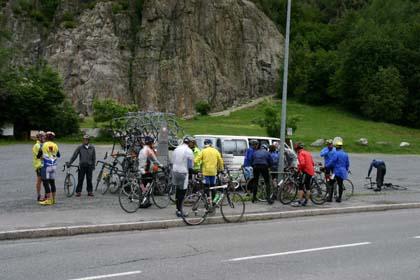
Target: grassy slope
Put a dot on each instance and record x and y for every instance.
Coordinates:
(316, 122)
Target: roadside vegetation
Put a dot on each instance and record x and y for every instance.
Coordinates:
(314, 122)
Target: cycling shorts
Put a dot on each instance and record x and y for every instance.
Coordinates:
(210, 180)
(306, 182)
(38, 172)
(48, 172)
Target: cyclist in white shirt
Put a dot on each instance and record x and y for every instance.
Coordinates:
(182, 163)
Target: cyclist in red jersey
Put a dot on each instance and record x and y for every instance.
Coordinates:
(306, 167)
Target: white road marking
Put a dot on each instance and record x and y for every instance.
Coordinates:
(418, 237)
(109, 275)
(299, 251)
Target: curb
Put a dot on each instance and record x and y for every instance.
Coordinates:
(164, 224)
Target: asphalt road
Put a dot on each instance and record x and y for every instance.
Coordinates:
(356, 246)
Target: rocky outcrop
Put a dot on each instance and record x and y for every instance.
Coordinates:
(223, 51)
(93, 58)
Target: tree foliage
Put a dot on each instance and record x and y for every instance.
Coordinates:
(33, 98)
(355, 54)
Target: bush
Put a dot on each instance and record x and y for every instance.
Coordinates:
(202, 107)
(107, 109)
(67, 16)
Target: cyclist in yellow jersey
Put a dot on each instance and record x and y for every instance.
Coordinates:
(196, 152)
(49, 154)
(37, 163)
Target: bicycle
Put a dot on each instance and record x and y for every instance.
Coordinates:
(372, 185)
(197, 206)
(289, 186)
(69, 180)
(348, 189)
(133, 194)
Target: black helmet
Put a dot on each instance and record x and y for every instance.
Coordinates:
(149, 140)
(188, 139)
(208, 142)
(253, 142)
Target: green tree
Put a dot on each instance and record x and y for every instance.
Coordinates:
(33, 98)
(272, 119)
(384, 96)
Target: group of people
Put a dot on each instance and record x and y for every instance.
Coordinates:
(188, 159)
(45, 154)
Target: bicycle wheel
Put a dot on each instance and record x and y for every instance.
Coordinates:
(161, 198)
(287, 192)
(114, 183)
(99, 178)
(318, 192)
(261, 192)
(69, 185)
(232, 207)
(194, 208)
(172, 192)
(348, 189)
(398, 187)
(129, 197)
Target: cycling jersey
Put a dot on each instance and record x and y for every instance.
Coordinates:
(211, 161)
(50, 153)
(306, 162)
(36, 162)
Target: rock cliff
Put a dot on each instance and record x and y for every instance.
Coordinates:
(173, 54)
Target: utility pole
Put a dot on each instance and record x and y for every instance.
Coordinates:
(284, 94)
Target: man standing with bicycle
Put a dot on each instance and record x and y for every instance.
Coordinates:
(87, 160)
(306, 168)
(380, 173)
(37, 163)
(261, 164)
(339, 162)
(182, 163)
(327, 153)
(211, 163)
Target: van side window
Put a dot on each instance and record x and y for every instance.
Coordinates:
(235, 147)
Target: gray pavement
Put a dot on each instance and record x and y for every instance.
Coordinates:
(369, 246)
(18, 209)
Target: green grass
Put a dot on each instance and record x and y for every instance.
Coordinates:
(316, 122)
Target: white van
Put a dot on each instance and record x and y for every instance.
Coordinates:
(233, 145)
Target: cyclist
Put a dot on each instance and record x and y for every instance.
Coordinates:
(247, 166)
(380, 173)
(87, 160)
(290, 159)
(147, 162)
(182, 162)
(211, 163)
(340, 163)
(261, 163)
(327, 154)
(306, 167)
(196, 151)
(49, 154)
(37, 163)
(275, 157)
